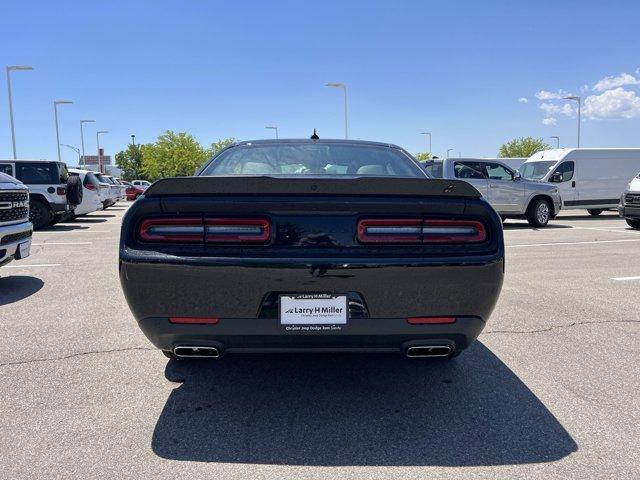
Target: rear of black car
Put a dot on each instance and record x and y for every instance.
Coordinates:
(222, 264)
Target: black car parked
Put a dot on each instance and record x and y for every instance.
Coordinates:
(311, 245)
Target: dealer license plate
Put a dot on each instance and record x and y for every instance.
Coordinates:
(313, 309)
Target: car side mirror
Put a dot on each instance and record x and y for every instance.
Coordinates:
(517, 176)
(556, 177)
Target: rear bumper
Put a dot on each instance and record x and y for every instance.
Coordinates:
(234, 290)
(629, 212)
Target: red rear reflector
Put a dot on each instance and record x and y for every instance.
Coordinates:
(237, 230)
(191, 320)
(89, 186)
(172, 230)
(430, 320)
(61, 191)
(416, 230)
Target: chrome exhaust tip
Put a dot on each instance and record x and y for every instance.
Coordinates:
(432, 351)
(183, 351)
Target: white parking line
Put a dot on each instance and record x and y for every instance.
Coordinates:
(623, 279)
(608, 230)
(75, 231)
(33, 266)
(570, 243)
(61, 243)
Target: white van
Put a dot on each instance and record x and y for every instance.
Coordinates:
(591, 178)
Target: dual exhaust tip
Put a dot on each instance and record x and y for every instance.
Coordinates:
(419, 351)
(196, 352)
(432, 351)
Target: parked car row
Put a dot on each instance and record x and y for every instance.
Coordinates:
(551, 180)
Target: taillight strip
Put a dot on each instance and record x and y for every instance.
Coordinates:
(393, 230)
(412, 230)
(237, 230)
(172, 230)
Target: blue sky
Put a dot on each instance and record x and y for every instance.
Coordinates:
(218, 69)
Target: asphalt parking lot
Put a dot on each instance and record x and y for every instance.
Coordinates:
(549, 391)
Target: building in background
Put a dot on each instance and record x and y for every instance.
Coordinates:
(91, 162)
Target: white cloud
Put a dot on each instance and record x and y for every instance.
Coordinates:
(545, 95)
(621, 80)
(552, 109)
(616, 103)
(523, 100)
(549, 121)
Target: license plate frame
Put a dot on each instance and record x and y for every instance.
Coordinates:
(313, 309)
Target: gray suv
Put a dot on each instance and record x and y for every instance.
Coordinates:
(15, 227)
(511, 195)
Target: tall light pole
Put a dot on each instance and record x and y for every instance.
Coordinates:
(11, 68)
(82, 122)
(273, 127)
(557, 140)
(346, 122)
(429, 144)
(75, 149)
(55, 113)
(449, 150)
(579, 100)
(98, 133)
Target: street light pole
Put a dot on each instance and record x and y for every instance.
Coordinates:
(55, 113)
(344, 89)
(579, 100)
(76, 149)
(82, 135)
(270, 127)
(557, 140)
(429, 144)
(449, 150)
(98, 133)
(11, 68)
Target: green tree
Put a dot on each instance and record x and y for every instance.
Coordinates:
(219, 145)
(423, 156)
(130, 161)
(172, 155)
(522, 147)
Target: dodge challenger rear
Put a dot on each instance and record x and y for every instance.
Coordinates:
(311, 245)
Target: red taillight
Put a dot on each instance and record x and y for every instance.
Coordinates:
(237, 230)
(61, 191)
(210, 230)
(412, 230)
(405, 230)
(172, 230)
(194, 320)
(89, 186)
(430, 320)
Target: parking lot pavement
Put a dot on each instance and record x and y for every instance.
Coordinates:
(549, 391)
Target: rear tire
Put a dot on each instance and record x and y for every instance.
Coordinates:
(39, 214)
(595, 211)
(74, 190)
(633, 223)
(539, 213)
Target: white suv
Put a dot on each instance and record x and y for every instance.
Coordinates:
(90, 192)
(52, 195)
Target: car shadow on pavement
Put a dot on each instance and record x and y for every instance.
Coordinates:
(86, 220)
(346, 409)
(62, 227)
(17, 287)
(526, 226)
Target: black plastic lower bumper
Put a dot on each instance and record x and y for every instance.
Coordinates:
(629, 212)
(267, 335)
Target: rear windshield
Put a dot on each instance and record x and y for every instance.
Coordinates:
(289, 159)
(536, 170)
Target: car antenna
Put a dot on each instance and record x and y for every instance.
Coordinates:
(315, 135)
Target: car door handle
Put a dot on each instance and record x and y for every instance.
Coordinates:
(573, 184)
(491, 185)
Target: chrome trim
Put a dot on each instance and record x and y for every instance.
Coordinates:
(431, 351)
(189, 351)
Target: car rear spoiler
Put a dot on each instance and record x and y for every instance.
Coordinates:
(265, 185)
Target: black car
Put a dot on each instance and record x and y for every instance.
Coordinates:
(311, 245)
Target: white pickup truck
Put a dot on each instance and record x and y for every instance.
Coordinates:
(510, 195)
(15, 227)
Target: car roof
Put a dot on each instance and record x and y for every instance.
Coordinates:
(322, 141)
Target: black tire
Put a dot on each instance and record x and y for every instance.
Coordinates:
(595, 211)
(55, 219)
(74, 190)
(539, 213)
(633, 223)
(39, 214)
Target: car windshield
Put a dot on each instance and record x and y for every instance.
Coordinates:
(313, 159)
(536, 170)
